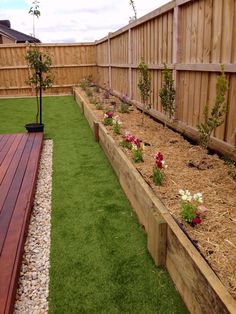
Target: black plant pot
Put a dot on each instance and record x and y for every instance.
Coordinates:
(34, 127)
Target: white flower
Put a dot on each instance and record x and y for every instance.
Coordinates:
(134, 147)
(164, 164)
(116, 120)
(185, 195)
(105, 116)
(198, 197)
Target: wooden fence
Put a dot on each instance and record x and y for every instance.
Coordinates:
(194, 37)
(71, 62)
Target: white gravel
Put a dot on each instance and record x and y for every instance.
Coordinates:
(32, 292)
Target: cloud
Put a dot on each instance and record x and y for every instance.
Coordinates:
(75, 20)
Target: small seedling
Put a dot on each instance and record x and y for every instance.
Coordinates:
(124, 108)
(99, 106)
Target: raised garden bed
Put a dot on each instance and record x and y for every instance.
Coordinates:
(204, 288)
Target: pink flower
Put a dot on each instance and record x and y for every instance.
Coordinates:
(201, 210)
(137, 142)
(109, 114)
(129, 138)
(197, 220)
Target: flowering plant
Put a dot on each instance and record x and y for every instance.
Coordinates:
(107, 91)
(158, 168)
(108, 118)
(124, 98)
(127, 141)
(116, 124)
(137, 150)
(192, 208)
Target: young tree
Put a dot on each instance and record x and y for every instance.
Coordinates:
(144, 85)
(167, 93)
(35, 12)
(216, 117)
(40, 75)
(131, 2)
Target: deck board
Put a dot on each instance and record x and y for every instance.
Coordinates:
(19, 173)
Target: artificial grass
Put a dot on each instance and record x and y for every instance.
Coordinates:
(99, 260)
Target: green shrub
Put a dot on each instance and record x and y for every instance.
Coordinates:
(216, 116)
(167, 93)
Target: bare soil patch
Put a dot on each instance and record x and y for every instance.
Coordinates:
(189, 167)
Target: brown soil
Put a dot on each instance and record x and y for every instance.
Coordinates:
(190, 167)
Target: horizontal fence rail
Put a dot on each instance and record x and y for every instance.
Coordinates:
(193, 37)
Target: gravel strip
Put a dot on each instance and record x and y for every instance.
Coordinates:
(32, 292)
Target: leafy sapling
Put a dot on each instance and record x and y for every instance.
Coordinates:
(215, 117)
(144, 85)
(167, 93)
(35, 12)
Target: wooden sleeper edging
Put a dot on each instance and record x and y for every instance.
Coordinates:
(198, 285)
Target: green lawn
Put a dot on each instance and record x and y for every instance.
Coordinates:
(99, 260)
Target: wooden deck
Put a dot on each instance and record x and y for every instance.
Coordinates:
(19, 160)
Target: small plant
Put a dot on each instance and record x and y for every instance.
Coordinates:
(167, 93)
(84, 84)
(92, 100)
(99, 106)
(160, 165)
(113, 103)
(192, 208)
(106, 94)
(108, 118)
(137, 150)
(144, 85)
(89, 93)
(124, 108)
(116, 125)
(127, 141)
(217, 115)
(124, 99)
(96, 88)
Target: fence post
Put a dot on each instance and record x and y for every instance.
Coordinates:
(130, 53)
(175, 57)
(109, 60)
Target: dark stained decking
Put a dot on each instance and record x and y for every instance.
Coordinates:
(19, 160)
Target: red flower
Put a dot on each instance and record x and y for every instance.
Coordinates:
(196, 221)
(159, 160)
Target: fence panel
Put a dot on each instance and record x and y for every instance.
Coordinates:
(71, 62)
(194, 37)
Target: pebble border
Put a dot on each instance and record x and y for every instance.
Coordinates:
(33, 285)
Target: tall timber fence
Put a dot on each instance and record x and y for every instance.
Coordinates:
(71, 62)
(193, 37)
